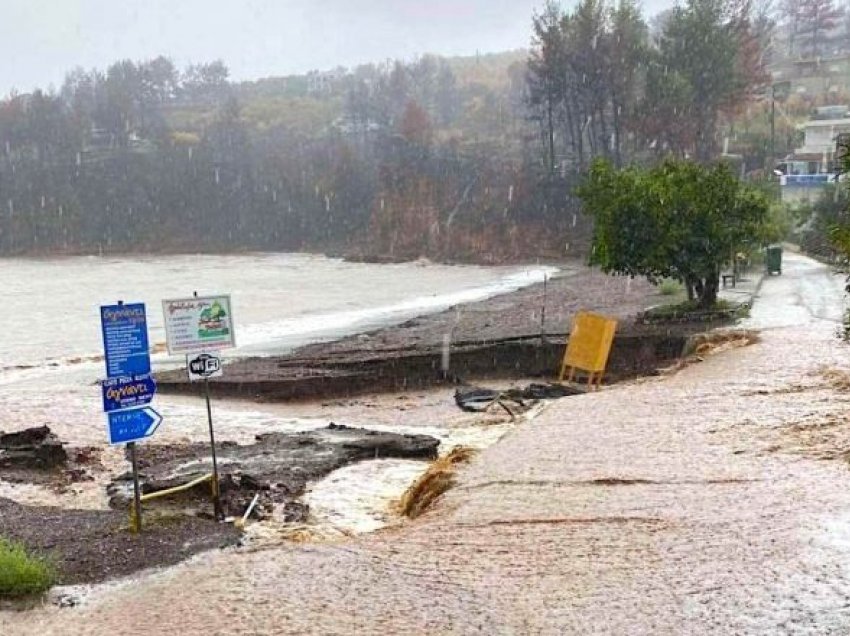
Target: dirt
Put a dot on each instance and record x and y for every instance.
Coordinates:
(277, 468)
(524, 313)
(89, 546)
(36, 456)
(517, 334)
(35, 448)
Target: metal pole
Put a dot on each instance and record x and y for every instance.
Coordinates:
(216, 496)
(772, 128)
(216, 493)
(137, 494)
(543, 311)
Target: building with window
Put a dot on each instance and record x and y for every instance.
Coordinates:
(806, 171)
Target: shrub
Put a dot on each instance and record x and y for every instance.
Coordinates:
(670, 287)
(693, 311)
(22, 574)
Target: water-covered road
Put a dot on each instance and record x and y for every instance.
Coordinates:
(713, 501)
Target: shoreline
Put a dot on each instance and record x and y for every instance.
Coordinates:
(499, 337)
(519, 333)
(347, 256)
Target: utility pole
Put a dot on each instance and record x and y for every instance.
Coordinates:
(784, 88)
(772, 127)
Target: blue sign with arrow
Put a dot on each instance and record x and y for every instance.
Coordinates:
(131, 425)
(127, 393)
(125, 340)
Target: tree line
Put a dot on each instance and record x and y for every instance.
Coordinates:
(143, 157)
(603, 83)
(454, 159)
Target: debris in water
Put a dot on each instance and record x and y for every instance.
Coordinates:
(434, 482)
(476, 399)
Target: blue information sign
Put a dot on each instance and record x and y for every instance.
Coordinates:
(131, 425)
(126, 393)
(125, 340)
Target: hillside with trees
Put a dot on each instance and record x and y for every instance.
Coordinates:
(459, 159)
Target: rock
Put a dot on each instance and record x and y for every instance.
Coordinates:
(87, 455)
(35, 448)
(295, 512)
(66, 600)
(249, 482)
(26, 438)
(78, 474)
(278, 467)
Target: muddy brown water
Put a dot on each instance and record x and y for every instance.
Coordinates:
(675, 505)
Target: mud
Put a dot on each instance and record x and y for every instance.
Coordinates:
(88, 546)
(37, 456)
(348, 373)
(520, 334)
(278, 468)
(34, 448)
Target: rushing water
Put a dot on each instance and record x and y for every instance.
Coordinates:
(49, 352)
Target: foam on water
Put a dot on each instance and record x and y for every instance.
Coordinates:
(273, 337)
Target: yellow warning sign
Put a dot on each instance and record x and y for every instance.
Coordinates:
(589, 345)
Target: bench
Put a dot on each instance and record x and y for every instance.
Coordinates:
(727, 277)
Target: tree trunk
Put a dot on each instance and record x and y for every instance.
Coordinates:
(708, 294)
(603, 130)
(615, 109)
(570, 132)
(549, 108)
(579, 132)
(689, 287)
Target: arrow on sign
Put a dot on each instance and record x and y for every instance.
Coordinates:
(131, 425)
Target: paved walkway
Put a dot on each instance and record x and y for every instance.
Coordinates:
(713, 501)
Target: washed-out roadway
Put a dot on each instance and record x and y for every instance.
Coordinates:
(712, 501)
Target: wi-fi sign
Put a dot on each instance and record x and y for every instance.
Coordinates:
(204, 366)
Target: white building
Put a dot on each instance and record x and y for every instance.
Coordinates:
(812, 166)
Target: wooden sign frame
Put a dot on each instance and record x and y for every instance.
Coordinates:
(588, 348)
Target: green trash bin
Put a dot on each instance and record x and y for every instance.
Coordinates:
(773, 259)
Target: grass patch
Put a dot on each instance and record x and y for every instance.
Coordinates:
(434, 482)
(670, 287)
(690, 311)
(21, 573)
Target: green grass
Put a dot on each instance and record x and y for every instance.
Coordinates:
(670, 287)
(21, 573)
(690, 310)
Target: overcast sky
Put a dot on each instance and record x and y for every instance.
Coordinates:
(41, 39)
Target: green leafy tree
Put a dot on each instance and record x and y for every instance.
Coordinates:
(677, 220)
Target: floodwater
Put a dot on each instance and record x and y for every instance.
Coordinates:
(713, 501)
(50, 350)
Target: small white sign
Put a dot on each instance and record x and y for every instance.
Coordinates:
(194, 325)
(203, 366)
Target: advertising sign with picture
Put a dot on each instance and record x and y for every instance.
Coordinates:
(197, 324)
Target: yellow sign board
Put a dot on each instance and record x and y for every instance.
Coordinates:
(589, 345)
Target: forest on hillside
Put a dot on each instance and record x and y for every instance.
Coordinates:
(457, 159)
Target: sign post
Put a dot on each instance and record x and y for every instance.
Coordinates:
(216, 493)
(137, 492)
(196, 326)
(129, 387)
